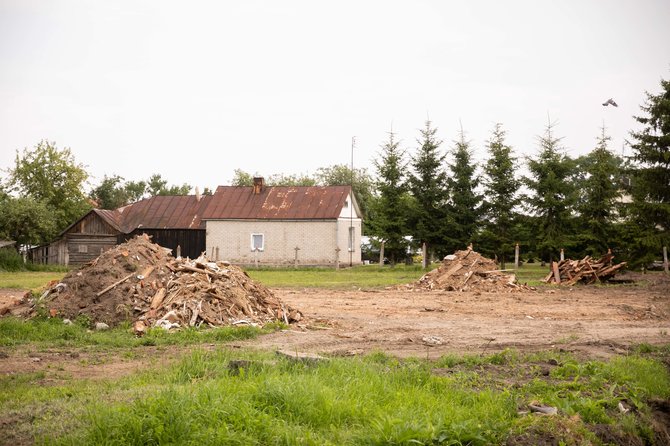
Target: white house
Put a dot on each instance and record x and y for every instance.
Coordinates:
(302, 225)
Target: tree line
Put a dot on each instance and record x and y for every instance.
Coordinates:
(430, 194)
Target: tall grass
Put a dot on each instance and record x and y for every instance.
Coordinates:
(375, 400)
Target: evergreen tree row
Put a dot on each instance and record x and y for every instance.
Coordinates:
(441, 200)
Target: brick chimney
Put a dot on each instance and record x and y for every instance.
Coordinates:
(259, 185)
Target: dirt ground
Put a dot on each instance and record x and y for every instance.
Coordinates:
(593, 321)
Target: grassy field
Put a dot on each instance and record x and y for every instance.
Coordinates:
(198, 398)
(371, 400)
(32, 280)
(368, 276)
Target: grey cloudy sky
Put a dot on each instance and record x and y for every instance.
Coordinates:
(194, 90)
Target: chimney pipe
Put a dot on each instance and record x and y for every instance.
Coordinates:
(259, 185)
(197, 194)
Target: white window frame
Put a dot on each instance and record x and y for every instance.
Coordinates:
(352, 238)
(254, 234)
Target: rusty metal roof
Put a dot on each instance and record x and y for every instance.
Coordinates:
(160, 212)
(164, 212)
(277, 203)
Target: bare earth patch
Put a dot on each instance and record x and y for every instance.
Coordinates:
(594, 320)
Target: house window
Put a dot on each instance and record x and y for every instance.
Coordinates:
(346, 203)
(82, 248)
(352, 237)
(257, 242)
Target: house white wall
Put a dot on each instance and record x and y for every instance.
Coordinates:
(317, 241)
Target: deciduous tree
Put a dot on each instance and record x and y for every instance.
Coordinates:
(52, 176)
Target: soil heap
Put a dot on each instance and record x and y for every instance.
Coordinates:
(139, 281)
(468, 270)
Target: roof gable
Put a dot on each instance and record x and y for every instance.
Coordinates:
(277, 203)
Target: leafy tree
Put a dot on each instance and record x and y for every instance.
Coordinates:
(135, 190)
(552, 193)
(650, 189)
(156, 185)
(110, 193)
(501, 191)
(242, 178)
(279, 179)
(428, 185)
(26, 220)
(52, 176)
(465, 202)
(340, 175)
(390, 205)
(599, 190)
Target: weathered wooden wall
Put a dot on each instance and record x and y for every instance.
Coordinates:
(191, 241)
(83, 248)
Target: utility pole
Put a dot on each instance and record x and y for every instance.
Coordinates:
(352, 235)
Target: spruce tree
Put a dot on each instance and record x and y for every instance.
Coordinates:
(428, 186)
(465, 203)
(389, 208)
(598, 192)
(552, 195)
(501, 192)
(650, 189)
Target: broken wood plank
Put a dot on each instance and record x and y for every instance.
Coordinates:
(114, 285)
(557, 274)
(157, 300)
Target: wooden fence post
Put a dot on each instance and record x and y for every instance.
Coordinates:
(516, 256)
(424, 253)
(665, 259)
(381, 255)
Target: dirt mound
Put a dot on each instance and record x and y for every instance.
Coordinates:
(141, 282)
(468, 271)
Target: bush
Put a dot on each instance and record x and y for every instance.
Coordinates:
(10, 260)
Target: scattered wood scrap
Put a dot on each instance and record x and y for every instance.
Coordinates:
(586, 270)
(468, 270)
(142, 283)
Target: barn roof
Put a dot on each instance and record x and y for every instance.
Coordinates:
(161, 212)
(277, 203)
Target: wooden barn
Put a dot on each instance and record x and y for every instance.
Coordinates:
(171, 221)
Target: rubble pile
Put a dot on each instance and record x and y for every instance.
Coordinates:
(586, 270)
(468, 270)
(141, 282)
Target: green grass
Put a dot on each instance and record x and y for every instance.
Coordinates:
(53, 332)
(531, 273)
(31, 280)
(373, 400)
(367, 276)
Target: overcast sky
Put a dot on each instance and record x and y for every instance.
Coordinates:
(196, 89)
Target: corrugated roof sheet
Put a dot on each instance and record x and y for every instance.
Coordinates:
(277, 203)
(164, 212)
(160, 212)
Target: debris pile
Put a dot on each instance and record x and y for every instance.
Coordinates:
(141, 282)
(468, 271)
(587, 270)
